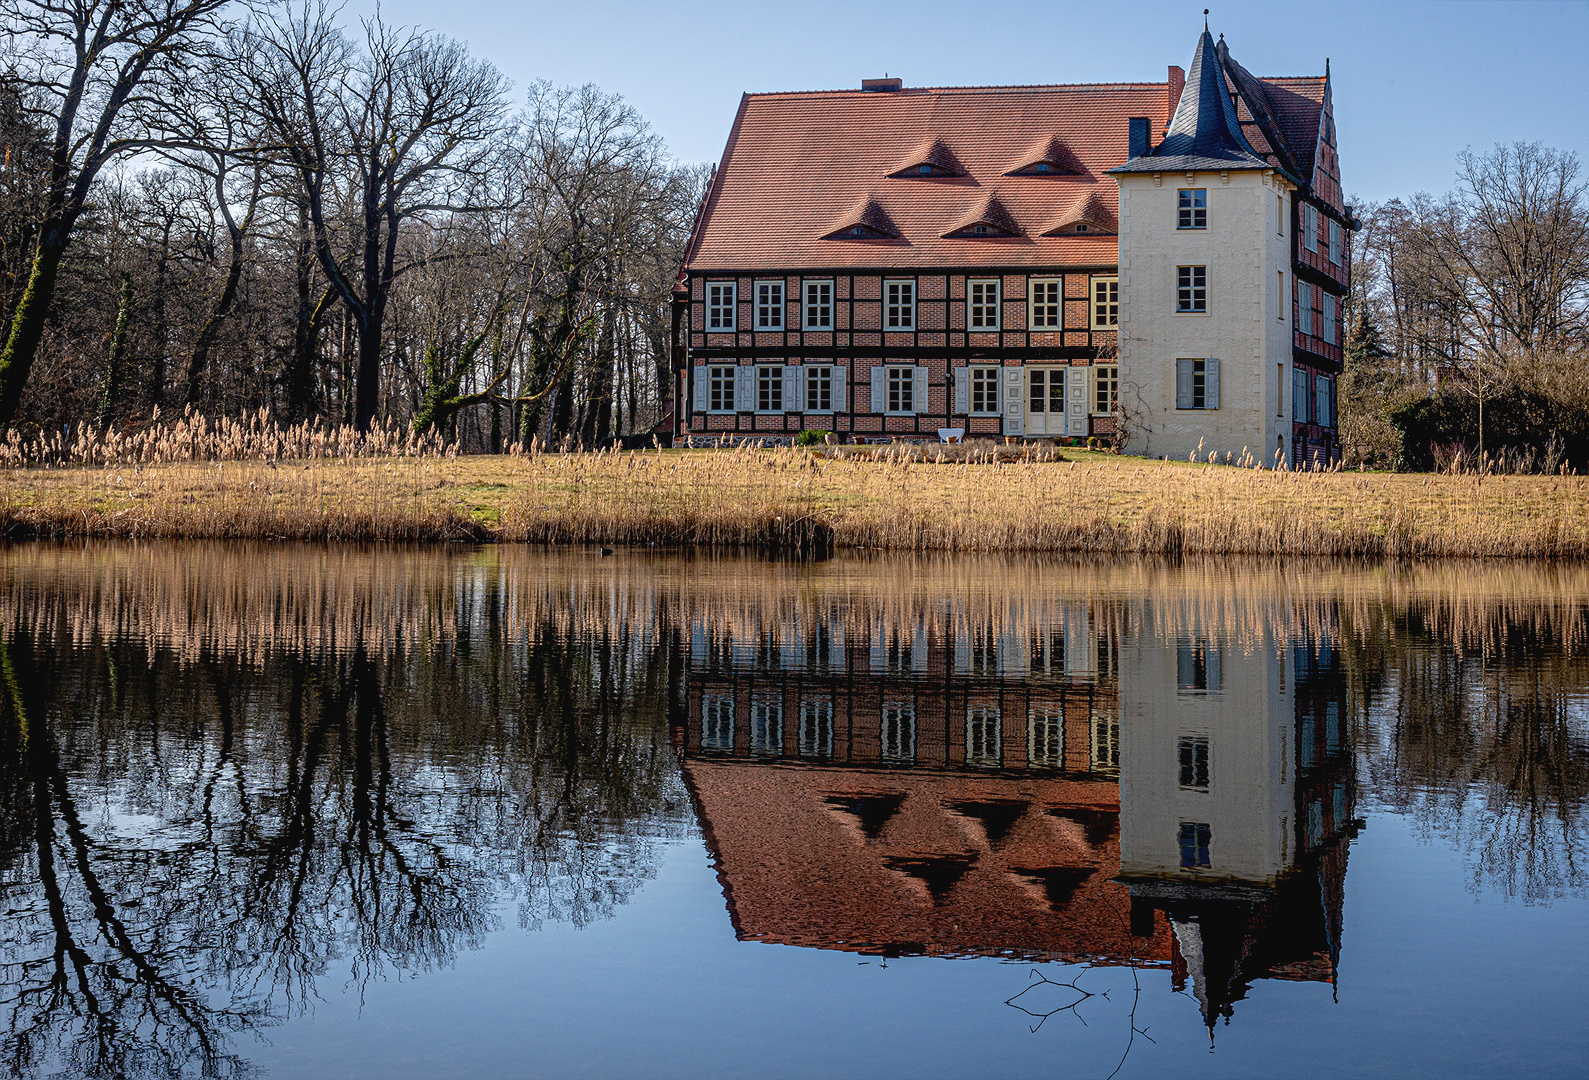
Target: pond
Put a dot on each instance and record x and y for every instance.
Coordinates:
(297, 811)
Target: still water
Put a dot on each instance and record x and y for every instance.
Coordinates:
(296, 811)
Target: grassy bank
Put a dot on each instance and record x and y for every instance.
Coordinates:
(794, 499)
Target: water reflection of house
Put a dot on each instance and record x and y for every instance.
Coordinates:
(946, 787)
(1236, 791)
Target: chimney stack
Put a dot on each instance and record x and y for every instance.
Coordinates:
(1177, 84)
(882, 84)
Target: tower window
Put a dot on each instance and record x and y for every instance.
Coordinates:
(1192, 208)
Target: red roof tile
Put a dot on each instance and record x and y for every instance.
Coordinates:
(798, 163)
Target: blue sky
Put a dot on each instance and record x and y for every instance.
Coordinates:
(1415, 83)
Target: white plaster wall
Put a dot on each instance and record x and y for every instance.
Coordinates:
(1249, 727)
(1242, 251)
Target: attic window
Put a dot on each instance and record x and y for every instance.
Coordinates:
(1043, 167)
(979, 230)
(863, 232)
(925, 168)
(1081, 226)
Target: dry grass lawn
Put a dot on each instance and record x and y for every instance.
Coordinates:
(804, 499)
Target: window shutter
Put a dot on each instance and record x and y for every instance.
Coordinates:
(703, 388)
(794, 389)
(1013, 416)
(962, 390)
(1321, 400)
(1183, 384)
(879, 389)
(1212, 681)
(919, 398)
(1211, 383)
(744, 389)
(1305, 307)
(841, 388)
(1076, 401)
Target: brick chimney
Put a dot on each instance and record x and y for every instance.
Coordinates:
(1177, 84)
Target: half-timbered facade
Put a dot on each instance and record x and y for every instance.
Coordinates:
(892, 261)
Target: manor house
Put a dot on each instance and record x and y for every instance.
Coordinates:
(1161, 264)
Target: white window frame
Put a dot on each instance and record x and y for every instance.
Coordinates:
(819, 378)
(989, 378)
(899, 304)
(769, 387)
(983, 307)
(769, 302)
(1102, 375)
(899, 390)
(984, 737)
(1190, 294)
(717, 714)
(1108, 305)
(1045, 738)
(720, 377)
(1189, 765)
(716, 305)
(819, 304)
(1051, 287)
(1188, 212)
(815, 733)
(901, 748)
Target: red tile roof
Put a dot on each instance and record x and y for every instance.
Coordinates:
(798, 166)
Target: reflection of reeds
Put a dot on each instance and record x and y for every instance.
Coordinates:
(255, 481)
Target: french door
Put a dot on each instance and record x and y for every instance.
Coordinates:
(1045, 401)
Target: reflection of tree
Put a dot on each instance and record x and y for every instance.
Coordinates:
(1484, 738)
(251, 823)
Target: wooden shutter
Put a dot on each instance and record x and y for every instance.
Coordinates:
(1183, 384)
(1211, 383)
(1013, 416)
(962, 377)
(1076, 401)
(919, 398)
(744, 389)
(794, 389)
(879, 389)
(703, 388)
(841, 387)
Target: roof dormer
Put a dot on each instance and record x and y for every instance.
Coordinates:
(1050, 157)
(866, 220)
(1086, 217)
(988, 220)
(932, 159)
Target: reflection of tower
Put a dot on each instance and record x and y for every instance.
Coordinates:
(1235, 790)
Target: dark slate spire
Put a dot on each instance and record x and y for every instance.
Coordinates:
(1204, 134)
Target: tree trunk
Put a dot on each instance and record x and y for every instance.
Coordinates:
(115, 359)
(27, 323)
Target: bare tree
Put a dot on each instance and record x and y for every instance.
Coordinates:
(83, 62)
(376, 139)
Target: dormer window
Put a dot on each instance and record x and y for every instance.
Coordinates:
(1081, 226)
(987, 221)
(867, 220)
(1051, 157)
(1042, 167)
(930, 159)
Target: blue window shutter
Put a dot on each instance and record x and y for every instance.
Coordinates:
(841, 388)
(962, 378)
(919, 398)
(703, 388)
(1014, 417)
(744, 389)
(1183, 384)
(794, 389)
(1211, 383)
(879, 389)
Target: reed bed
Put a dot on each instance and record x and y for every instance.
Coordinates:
(192, 479)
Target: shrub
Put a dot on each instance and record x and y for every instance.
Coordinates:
(810, 437)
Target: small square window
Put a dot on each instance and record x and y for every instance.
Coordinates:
(721, 383)
(819, 305)
(984, 304)
(1106, 382)
(1192, 208)
(1196, 838)
(901, 389)
(900, 306)
(1105, 303)
(769, 305)
(1191, 289)
(1046, 306)
(720, 305)
(819, 388)
(1193, 754)
(769, 388)
(985, 390)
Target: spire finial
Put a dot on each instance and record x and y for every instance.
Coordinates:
(1205, 20)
